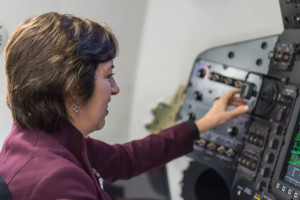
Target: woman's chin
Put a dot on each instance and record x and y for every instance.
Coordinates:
(100, 125)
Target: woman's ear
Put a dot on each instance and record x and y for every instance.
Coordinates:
(71, 107)
(71, 103)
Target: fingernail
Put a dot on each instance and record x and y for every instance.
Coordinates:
(246, 107)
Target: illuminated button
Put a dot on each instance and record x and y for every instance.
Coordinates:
(296, 195)
(211, 146)
(240, 159)
(253, 165)
(251, 137)
(297, 18)
(215, 77)
(248, 163)
(255, 140)
(228, 81)
(244, 161)
(238, 84)
(285, 57)
(260, 142)
(230, 153)
(221, 149)
(277, 56)
(283, 189)
(290, 192)
(201, 142)
(277, 185)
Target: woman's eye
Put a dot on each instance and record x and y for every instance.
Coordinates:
(111, 75)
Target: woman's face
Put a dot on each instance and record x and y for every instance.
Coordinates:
(91, 116)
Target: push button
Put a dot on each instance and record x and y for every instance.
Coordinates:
(277, 185)
(290, 192)
(296, 195)
(283, 189)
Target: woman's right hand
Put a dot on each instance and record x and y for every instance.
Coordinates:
(219, 113)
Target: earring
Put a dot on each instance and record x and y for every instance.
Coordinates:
(76, 108)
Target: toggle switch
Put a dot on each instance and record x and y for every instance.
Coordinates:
(248, 90)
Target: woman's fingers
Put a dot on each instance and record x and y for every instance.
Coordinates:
(236, 101)
(219, 113)
(231, 93)
(238, 110)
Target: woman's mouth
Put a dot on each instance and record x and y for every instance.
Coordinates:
(106, 110)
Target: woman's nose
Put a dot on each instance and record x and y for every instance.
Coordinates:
(115, 88)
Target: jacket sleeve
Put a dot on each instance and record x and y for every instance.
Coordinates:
(116, 162)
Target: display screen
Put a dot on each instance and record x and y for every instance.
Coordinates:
(292, 174)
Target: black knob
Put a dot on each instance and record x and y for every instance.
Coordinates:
(192, 116)
(201, 73)
(233, 131)
(198, 95)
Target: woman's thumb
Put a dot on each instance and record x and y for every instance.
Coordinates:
(239, 110)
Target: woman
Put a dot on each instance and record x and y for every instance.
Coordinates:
(59, 82)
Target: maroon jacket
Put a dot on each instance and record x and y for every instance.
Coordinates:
(36, 165)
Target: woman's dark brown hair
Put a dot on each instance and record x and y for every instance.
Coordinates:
(49, 57)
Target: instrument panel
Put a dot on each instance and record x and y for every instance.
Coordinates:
(256, 155)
